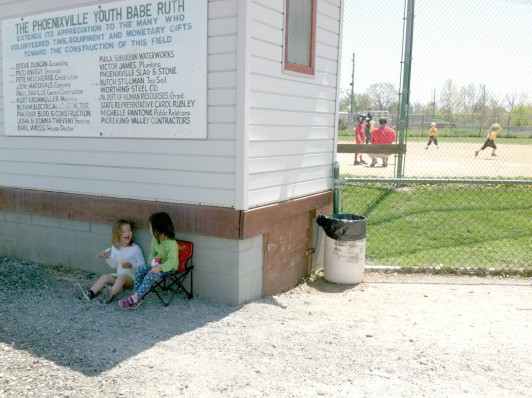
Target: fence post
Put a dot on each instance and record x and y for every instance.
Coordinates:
(405, 90)
(336, 187)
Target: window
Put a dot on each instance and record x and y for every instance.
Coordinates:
(300, 36)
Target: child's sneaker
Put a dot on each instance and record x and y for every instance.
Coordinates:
(107, 295)
(83, 293)
(129, 303)
(476, 153)
(493, 154)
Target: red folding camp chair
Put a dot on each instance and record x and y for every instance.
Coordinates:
(169, 285)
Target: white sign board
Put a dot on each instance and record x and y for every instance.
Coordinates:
(123, 69)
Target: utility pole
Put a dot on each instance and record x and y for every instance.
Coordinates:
(482, 110)
(353, 85)
(433, 103)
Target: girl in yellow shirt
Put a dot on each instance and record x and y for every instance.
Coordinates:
(433, 136)
(490, 139)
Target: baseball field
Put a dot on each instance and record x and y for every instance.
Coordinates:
(448, 160)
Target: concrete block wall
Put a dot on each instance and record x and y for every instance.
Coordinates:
(54, 241)
(228, 271)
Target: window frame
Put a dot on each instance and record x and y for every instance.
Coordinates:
(292, 66)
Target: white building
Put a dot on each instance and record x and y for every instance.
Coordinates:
(243, 178)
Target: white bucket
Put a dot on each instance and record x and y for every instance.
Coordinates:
(344, 261)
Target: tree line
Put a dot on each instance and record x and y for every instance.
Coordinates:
(471, 100)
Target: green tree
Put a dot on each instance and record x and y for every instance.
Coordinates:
(361, 102)
(345, 102)
(448, 98)
(522, 115)
(384, 96)
(468, 99)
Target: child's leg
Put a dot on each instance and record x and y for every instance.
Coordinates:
(121, 281)
(101, 282)
(147, 282)
(139, 275)
(142, 271)
(494, 148)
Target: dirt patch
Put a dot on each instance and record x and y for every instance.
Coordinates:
(399, 335)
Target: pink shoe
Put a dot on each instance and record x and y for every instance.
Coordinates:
(129, 303)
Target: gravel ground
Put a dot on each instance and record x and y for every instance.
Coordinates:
(393, 335)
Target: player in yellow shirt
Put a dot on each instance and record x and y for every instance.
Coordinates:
(433, 136)
(490, 139)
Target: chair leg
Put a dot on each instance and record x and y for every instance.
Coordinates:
(191, 294)
(172, 285)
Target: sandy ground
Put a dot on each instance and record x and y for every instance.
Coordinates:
(392, 335)
(451, 160)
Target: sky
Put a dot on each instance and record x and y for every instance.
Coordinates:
(479, 42)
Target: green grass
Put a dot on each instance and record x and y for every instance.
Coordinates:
(445, 225)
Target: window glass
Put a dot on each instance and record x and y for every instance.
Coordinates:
(300, 35)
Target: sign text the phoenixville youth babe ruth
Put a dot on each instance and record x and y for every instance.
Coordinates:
(124, 69)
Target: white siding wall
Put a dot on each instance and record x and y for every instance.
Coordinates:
(280, 147)
(175, 170)
(292, 117)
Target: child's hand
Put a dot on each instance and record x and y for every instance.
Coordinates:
(156, 270)
(125, 264)
(105, 254)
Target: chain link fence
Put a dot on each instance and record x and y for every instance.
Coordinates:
(450, 201)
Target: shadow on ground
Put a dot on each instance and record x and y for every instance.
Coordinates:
(41, 315)
(321, 285)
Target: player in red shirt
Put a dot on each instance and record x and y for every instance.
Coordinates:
(382, 135)
(360, 138)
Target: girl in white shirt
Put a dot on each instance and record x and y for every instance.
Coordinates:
(124, 256)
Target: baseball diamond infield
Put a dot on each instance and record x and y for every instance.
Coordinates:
(451, 160)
